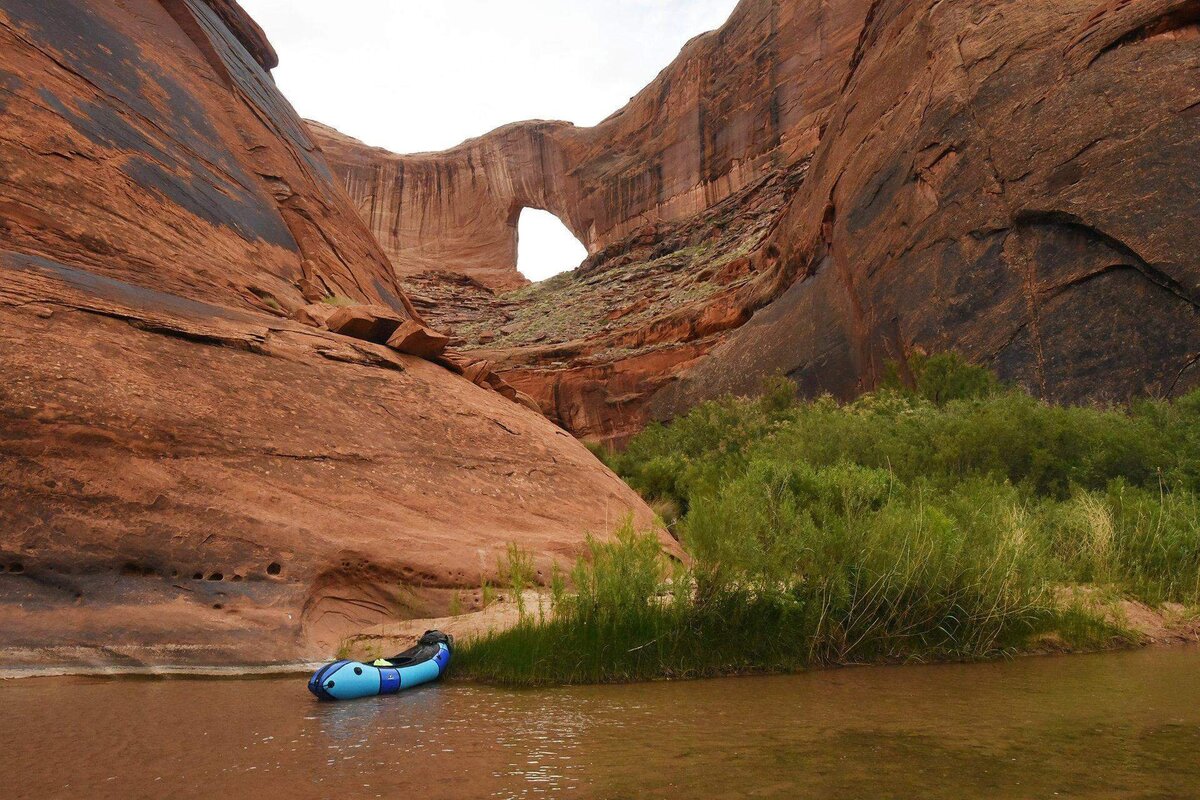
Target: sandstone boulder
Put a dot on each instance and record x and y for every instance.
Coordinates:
(371, 323)
(478, 372)
(315, 315)
(455, 362)
(501, 387)
(416, 339)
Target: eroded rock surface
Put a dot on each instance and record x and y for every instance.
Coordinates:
(192, 469)
(1014, 181)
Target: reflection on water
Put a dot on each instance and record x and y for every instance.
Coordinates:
(1112, 726)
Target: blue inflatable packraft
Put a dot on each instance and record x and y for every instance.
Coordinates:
(350, 680)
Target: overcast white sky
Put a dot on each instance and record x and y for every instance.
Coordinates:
(416, 75)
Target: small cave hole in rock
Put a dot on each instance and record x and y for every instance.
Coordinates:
(216, 576)
(198, 576)
(274, 568)
(17, 567)
(544, 245)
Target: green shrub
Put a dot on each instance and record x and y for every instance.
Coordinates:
(598, 633)
(779, 394)
(934, 520)
(944, 377)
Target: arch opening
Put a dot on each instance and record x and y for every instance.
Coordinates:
(545, 246)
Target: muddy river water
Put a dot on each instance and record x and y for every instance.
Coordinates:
(1108, 726)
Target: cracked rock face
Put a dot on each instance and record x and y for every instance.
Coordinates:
(1015, 181)
(187, 475)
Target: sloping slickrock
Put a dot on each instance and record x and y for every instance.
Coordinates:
(188, 476)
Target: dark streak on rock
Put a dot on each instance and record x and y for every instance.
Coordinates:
(183, 157)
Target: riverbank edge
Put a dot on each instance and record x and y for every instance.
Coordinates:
(1140, 625)
(164, 671)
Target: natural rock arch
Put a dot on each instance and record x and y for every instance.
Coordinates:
(458, 210)
(545, 245)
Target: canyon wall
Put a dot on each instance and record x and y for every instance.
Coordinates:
(1013, 180)
(1016, 181)
(194, 470)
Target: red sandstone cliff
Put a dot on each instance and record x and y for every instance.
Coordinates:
(850, 181)
(187, 474)
(1015, 181)
(735, 104)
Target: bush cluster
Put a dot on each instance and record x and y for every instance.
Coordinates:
(934, 518)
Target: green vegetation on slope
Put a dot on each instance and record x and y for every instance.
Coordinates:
(935, 522)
